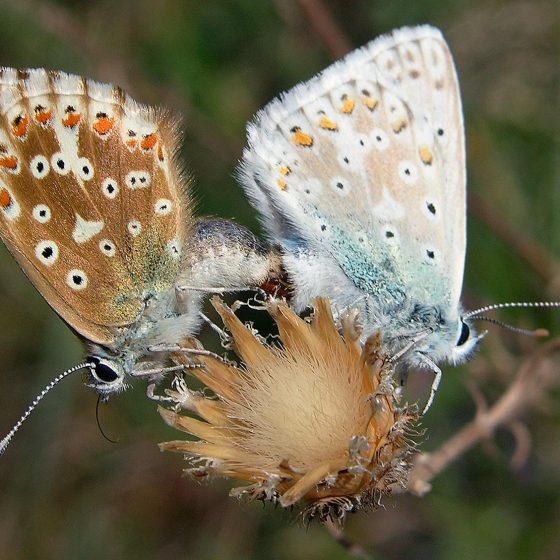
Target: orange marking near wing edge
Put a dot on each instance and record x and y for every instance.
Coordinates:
(72, 119)
(43, 117)
(302, 138)
(103, 125)
(160, 152)
(426, 155)
(347, 106)
(370, 103)
(282, 184)
(327, 124)
(148, 142)
(9, 162)
(20, 129)
(5, 198)
(399, 125)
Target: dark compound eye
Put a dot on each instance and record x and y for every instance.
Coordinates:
(465, 333)
(102, 371)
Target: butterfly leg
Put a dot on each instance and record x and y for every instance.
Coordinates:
(435, 383)
(182, 350)
(151, 394)
(180, 396)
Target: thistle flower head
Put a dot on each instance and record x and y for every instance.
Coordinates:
(314, 421)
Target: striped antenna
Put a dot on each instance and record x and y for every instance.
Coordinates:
(6, 441)
(474, 314)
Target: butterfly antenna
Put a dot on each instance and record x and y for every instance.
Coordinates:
(6, 441)
(475, 314)
(528, 332)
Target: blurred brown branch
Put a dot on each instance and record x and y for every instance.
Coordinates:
(534, 377)
(326, 27)
(351, 547)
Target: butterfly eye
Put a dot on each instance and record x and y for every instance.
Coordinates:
(102, 370)
(465, 333)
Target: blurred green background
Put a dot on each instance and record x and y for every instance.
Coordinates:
(67, 493)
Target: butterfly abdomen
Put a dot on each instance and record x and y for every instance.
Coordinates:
(225, 254)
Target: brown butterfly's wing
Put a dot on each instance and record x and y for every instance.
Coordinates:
(92, 205)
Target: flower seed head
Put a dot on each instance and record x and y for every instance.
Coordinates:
(312, 422)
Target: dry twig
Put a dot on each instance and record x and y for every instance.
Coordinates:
(352, 548)
(326, 28)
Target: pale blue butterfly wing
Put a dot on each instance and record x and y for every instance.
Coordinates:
(359, 174)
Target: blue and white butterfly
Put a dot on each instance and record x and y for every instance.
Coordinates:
(359, 175)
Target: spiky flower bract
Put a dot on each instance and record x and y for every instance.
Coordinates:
(313, 422)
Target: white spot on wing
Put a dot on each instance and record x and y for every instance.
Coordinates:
(85, 230)
(390, 234)
(59, 162)
(163, 206)
(41, 213)
(137, 179)
(46, 251)
(39, 167)
(84, 169)
(110, 188)
(107, 247)
(380, 139)
(341, 186)
(134, 227)
(174, 249)
(408, 172)
(388, 208)
(77, 279)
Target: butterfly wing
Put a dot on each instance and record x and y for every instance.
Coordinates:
(91, 202)
(364, 165)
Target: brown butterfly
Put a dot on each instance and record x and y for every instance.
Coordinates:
(96, 211)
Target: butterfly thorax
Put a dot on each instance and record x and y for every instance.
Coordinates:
(168, 317)
(429, 332)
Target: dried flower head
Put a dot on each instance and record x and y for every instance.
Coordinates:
(313, 422)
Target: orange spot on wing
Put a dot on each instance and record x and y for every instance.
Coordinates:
(302, 138)
(370, 103)
(103, 125)
(347, 106)
(148, 142)
(43, 117)
(72, 119)
(5, 198)
(282, 184)
(327, 124)
(284, 170)
(399, 125)
(131, 143)
(9, 162)
(426, 155)
(20, 125)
